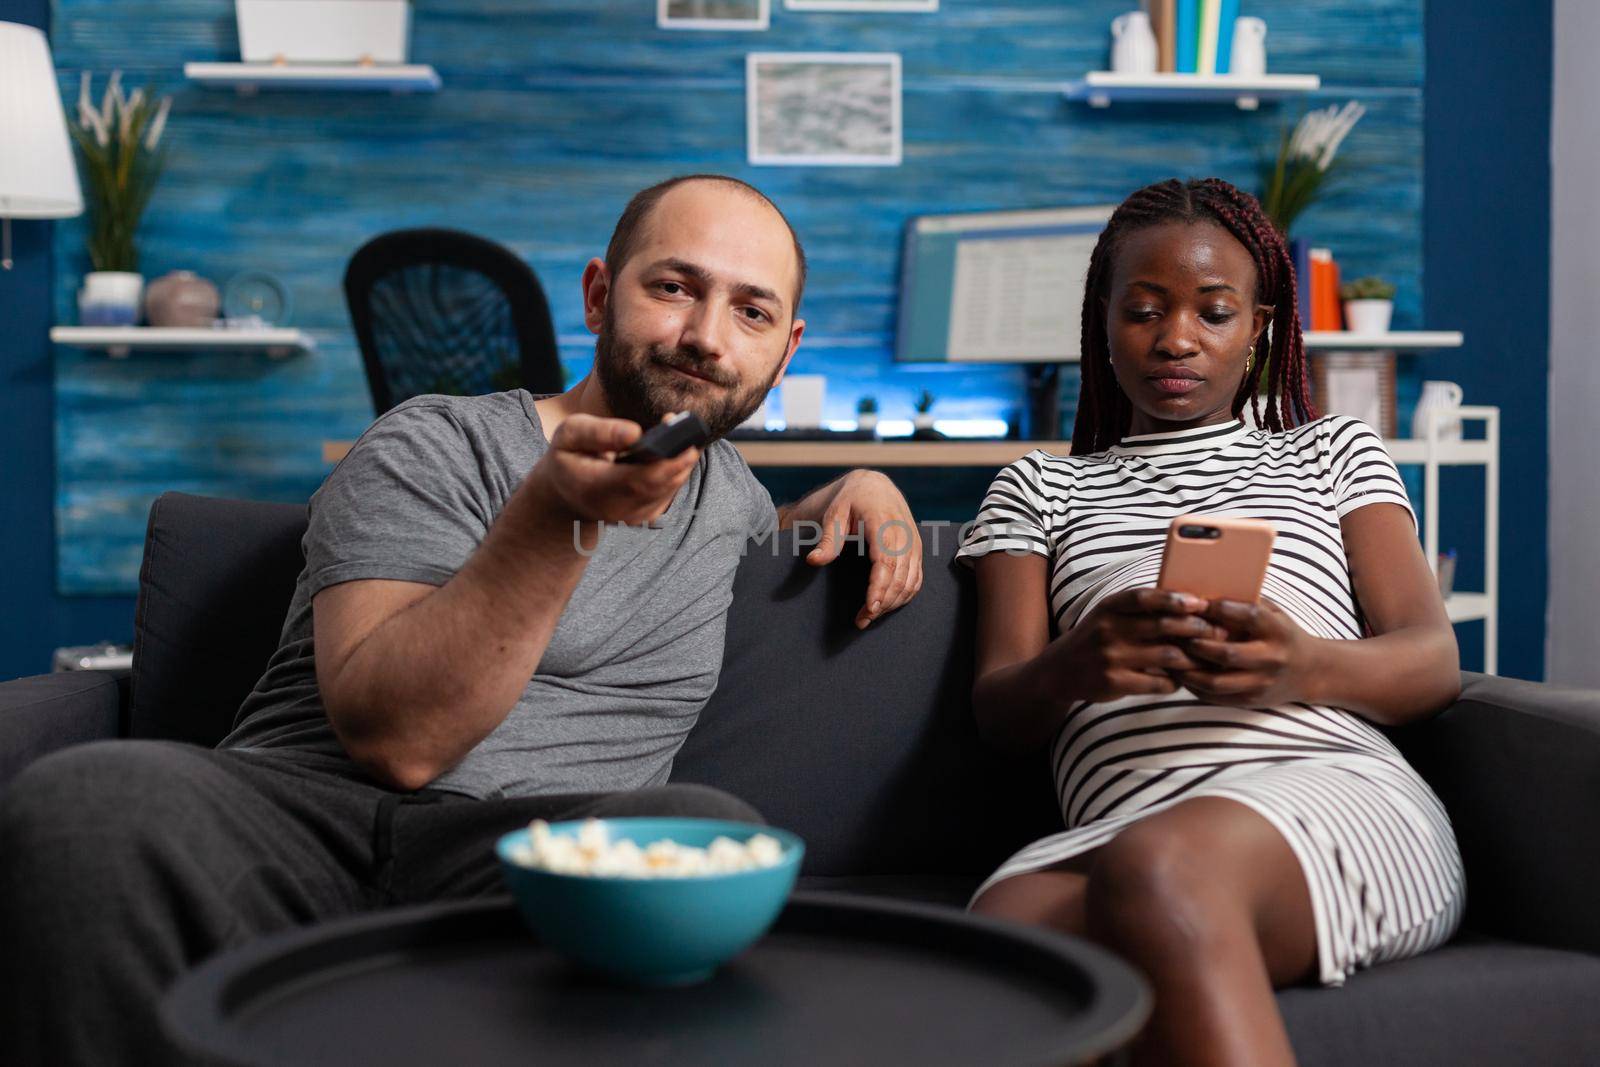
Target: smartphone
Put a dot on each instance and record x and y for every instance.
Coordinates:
(668, 438)
(1216, 558)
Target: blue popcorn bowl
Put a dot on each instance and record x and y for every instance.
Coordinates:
(658, 930)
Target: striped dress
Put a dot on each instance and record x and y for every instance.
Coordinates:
(1374, 842)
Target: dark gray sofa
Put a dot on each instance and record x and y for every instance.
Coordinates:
(863, 743)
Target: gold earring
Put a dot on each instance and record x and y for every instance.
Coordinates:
(1249, 358)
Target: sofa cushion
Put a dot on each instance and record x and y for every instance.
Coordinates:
(1474, 1001)
(216, 583)
(862, 742)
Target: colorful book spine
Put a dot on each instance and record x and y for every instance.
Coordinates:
(1230, 14)
(1163, 13)
(1169, 38)
(1300, 252)
(1324, 291)
(1210, 16)
(1188, 35)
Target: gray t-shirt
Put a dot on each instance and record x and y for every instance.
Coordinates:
(635, 654)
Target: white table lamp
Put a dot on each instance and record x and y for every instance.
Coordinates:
(38, 178)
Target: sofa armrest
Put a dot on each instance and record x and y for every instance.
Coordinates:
(1517, 765)
(49, 711)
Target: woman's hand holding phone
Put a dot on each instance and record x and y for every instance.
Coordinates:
(1131, 644)
(1264, 659)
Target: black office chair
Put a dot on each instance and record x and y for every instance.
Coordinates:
(441, 311)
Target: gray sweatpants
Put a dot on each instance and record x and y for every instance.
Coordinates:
(124, 863)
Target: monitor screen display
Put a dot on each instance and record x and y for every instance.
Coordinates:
(996, 286)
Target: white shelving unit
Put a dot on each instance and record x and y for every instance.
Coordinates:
(250, 78)
(1431, 453)
(1397, 340)
(1101, 87)
(119, 341)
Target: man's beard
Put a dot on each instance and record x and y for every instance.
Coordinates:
(640, 384)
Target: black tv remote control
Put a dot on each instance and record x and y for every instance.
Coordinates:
(669, 438)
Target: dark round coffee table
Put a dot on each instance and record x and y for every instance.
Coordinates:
(839, 979)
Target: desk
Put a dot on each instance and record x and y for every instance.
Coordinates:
(856, 453)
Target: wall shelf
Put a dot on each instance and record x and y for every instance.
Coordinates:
(1467, 607)
(119, 341)
(1396, 340)
(1101, 87)
(1445, 453)
(249, 78)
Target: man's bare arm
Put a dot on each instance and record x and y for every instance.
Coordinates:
(868, 503)
(414, 677)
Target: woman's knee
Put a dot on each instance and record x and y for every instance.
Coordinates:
(1154, 890)
(1049, 898)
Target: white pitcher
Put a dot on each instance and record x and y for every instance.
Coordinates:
(1441, 397)
(1249, 56)
(1133, 44)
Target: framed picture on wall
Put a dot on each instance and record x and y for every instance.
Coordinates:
(713, 14)
(839, 109)
(862, 5)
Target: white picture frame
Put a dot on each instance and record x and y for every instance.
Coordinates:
(707, 14)
(907, 7)
(824, 109)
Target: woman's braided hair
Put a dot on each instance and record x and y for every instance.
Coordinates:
(1103, 410)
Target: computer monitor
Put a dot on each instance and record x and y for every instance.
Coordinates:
(996, 286)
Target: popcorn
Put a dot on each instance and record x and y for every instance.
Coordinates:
(591, 852)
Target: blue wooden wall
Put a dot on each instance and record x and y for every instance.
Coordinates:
(553, 113)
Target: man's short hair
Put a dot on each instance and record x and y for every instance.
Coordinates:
(625, 238)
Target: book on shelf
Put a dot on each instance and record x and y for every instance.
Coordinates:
(1163, 22)
(1194, 36)
(1225, 21)
(1325, 291)
(1210, 15)
(1187, 31)
(1300, 252)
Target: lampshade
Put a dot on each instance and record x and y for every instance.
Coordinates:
(38, 178)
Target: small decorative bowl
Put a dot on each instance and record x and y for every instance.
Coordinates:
(659, 930)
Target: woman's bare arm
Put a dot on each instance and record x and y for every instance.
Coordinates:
(1014, 708)
(1026, 681)
(1410, 668)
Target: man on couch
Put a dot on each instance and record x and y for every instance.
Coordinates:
(474, 642)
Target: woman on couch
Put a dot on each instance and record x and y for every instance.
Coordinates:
(1235, 821)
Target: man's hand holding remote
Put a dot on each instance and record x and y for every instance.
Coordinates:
(582, 476)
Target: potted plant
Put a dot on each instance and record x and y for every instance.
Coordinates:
(924, 417)
(120, 143)
(1305, 163)
(1368, 305)
(867, 413)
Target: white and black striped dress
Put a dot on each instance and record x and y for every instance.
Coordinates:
(1374, 842)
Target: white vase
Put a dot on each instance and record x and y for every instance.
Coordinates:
(1368, 316)
(110, 298)
(867, 420)
(1438, 398)
(1133, 44)
(1249, 56)
(923, 420)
